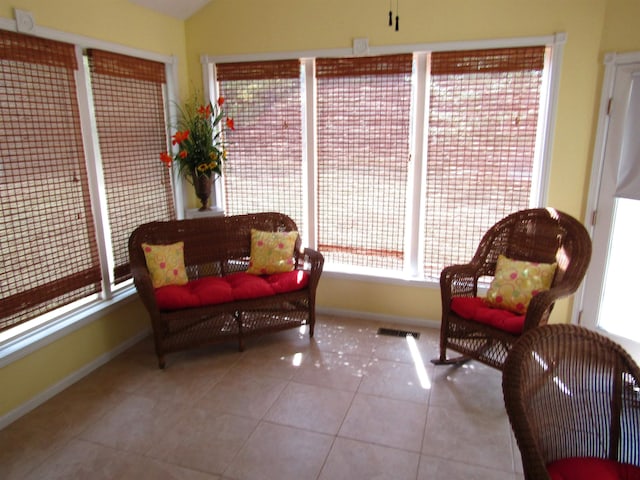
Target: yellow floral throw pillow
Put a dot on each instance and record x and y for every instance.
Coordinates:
(517, 281)
(271, 252)
(166, 264)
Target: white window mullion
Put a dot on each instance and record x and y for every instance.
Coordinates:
(547, 120)
(309, 153)
(414, 231)
(95, 174)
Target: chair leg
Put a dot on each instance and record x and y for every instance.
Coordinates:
(450, 361)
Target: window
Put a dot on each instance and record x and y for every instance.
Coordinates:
(363, 118)
(128, 102)
(266, 171)
(483, 118)
(410, 157)
(52, 236)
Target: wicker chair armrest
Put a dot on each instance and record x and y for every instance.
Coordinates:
(459, 280)
(541, 305)
(312, 261)
(142, 282)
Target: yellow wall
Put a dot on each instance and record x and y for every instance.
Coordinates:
(28, 376)
(225, 27)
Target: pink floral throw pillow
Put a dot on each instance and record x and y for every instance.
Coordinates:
(517, 281)
(271, 252)
(166, 264)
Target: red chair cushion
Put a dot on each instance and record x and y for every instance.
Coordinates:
(237, 286)
(475, 308)
(592, 468)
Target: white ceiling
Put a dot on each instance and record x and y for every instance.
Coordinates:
(180, 9)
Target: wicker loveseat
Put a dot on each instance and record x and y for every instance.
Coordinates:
(221, 301)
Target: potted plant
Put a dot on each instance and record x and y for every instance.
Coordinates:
(199, 138)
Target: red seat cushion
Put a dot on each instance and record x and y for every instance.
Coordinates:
(288, 281)
(475, 308)
(592, 468)
(237, 286)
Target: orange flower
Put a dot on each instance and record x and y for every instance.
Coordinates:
(220, 101)
(182, 154)
(180, 137)
(166, 159)
(230, 123)
(204, 111)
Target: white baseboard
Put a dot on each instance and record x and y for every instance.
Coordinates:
(66, 382)
(414, 321)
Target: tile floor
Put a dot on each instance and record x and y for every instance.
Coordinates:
(350, 404)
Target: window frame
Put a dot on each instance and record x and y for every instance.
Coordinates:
(29, 336)
(414, 236)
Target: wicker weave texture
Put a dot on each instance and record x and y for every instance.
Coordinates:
(571, 392)
(215, 247)
(538, 235)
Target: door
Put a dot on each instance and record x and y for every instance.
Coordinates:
(612, 285)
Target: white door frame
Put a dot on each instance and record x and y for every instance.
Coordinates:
(607, 143)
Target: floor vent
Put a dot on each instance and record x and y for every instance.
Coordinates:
(397, 333)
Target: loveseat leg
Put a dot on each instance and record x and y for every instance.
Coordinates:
(238, 316)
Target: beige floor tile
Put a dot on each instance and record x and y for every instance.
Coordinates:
(25, 446)
(73, 410)
(243, 394)
(398, 349)
(286, 342)
(139, 468)
(310, 407)
(433, 468)
(333, 370)
(280, 453)
(385, 421)
(80, 460)
(274, 362)
(353, 337)
(204, 440)
(135, 424)
(351, 459)
(470, 437)
(212, 362)
(470, 386)
(517, 457)
(402, 381)
(176, 385)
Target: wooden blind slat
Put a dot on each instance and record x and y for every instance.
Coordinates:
(276, 69)
(357, 66)
(18, 47)
(485, 61)
(117, 65)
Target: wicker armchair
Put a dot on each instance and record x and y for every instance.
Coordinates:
(573, 400)
(535, 235)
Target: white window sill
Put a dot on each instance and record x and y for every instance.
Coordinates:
(25, 343)
(377, 276)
